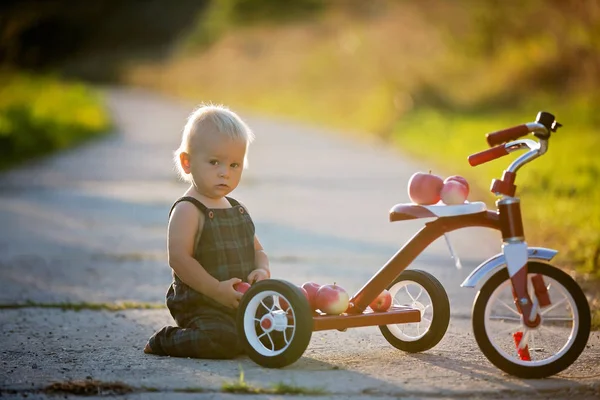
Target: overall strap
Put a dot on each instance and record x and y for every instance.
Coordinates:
(232, 201)
(192, 200)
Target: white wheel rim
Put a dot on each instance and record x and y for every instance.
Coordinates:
(279, 324)
(546, 343)
(412, 294)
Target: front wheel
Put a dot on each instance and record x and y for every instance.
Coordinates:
(421, 290)
(550, 347)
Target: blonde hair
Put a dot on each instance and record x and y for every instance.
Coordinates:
(211, 119)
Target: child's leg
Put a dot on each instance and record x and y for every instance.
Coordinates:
(210, 334)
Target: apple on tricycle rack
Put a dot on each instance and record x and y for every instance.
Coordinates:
(311, 289)
(242, 287)
(383, 302)
(454, 192)
(332, 299)
(458, 178)
(424, 188)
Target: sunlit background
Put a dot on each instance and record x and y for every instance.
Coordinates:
(430, 77)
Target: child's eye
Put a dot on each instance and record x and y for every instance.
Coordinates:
(235, 165)
(214, 162)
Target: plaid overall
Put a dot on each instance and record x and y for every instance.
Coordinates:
(205, 328)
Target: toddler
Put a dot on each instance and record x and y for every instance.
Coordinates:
(211, 241)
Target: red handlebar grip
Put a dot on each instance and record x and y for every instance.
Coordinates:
(506, 135)
(487, 155)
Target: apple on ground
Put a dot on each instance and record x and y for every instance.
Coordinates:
(383, 302)
(311, 290)
(424, 188)
(284, 304)
(332, 299)
(454, 192)
(242, 287)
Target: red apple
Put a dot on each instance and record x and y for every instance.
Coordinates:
(383, 302)
(242, 287)
(284, 304)
(454, 192)
(424, 188)
(458, 178)
(332, 299)
(311, 290)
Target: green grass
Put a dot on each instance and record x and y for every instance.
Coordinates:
(240, 386)
(286, 388)
(42, 114)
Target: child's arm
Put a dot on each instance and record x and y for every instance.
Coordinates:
(261, 261)
(185, 222)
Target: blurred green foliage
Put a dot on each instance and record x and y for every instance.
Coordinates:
(227, 15)
(42, 114)
(512, 50)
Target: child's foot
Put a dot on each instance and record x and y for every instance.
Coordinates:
(148, 349)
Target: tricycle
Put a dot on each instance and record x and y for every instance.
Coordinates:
(529, 318)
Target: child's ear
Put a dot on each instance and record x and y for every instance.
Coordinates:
(184, 159)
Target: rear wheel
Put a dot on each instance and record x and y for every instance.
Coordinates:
(274, 323)
(553, 345)
(421, 290)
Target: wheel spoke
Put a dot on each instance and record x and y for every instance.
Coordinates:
(500, 317)
(285, 339)
(409, 295)
(264, 333)
(508, 330)
(545, 329)
(532, 348)
(510, 308)
(525, 340)
(272, 343)
(420, 293)
(553, 306)
(559, 319)
(265, 306)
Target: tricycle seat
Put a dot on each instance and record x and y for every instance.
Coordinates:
(405, 211)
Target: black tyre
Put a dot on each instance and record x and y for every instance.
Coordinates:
(418, 289)
(274, 323)
(552, 346)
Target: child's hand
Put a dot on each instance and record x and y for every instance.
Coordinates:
(227, 295)
(258, 274)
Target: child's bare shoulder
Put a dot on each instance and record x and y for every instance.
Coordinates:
(186, 213)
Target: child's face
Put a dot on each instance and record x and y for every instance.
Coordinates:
(217, 164)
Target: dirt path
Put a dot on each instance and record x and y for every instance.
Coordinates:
(89, 226)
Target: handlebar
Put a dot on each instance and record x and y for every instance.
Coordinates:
(506, 135)
(487, 155)
(504, 142)
(543, 126)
